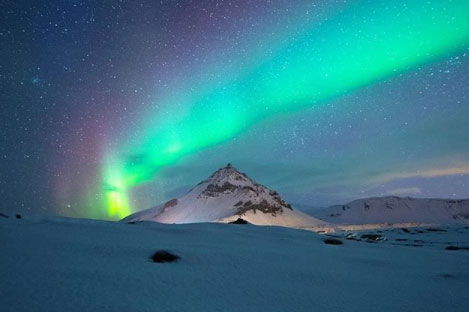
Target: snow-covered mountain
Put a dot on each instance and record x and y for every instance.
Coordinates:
(224, 197)
(397, 210)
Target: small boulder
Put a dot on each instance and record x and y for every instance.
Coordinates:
(451, 247)
(332, 241)
(238, 221)
(162, 256)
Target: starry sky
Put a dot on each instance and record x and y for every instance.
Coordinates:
(110, 107)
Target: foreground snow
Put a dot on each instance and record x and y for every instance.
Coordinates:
(83, 265)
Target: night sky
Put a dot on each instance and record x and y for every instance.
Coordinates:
(109, 107)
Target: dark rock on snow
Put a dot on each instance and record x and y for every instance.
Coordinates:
(162, 256)
(451, 247)
(332, 241)
(239, 221)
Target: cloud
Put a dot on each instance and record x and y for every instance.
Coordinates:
(426, 173)
(446, 172)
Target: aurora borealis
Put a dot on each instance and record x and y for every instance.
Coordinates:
(129, 104)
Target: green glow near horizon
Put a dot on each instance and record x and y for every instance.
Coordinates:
(360, 46)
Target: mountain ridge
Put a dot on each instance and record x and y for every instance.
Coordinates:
(394, 209)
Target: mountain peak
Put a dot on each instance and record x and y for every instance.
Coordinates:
(227, 194)
(227, 173)
(228, 167)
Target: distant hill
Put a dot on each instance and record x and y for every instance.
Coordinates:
(393, 209)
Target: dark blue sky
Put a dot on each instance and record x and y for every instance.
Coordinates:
(82, 82)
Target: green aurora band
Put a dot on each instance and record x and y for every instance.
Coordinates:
(368, 42)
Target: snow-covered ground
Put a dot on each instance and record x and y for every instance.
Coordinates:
(58, 264)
